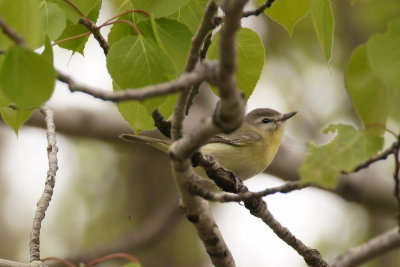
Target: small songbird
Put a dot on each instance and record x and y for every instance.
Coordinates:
(246, 151)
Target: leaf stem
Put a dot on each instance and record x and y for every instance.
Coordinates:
(124, 13)
(75, 7)
(113, 256)
(130, 23)
(72, 38)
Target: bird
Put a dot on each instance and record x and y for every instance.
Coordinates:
(246, 152)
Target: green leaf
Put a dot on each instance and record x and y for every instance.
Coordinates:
(48, 50)
(24, 17)
(287, 12)
(86, 6)
(173, 37)
(191, 14)
(120, 30)
(353, 2)
(136, 114)
(53, 19)
(348, 149)
(322, 16)
(370, 97)
(250, 59)
(78, 45)
(4, 101)
(15, 118)
(136, 61)
(132, 264)
(27, 78)
(384, 55)
(160, 8)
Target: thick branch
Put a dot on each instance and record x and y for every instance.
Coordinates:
(202, 72)
(196, 208)
(47, 194)
(375, 247)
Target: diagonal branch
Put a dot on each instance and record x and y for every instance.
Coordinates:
(227, 181)
(205, 27)
(11, 33)
(47, 194)
(382, 156)
(375, 247)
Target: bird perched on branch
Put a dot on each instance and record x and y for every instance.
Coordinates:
(246, 151)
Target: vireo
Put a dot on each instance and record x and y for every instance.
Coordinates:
(247, 151)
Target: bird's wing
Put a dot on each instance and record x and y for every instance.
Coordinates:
(238, 138)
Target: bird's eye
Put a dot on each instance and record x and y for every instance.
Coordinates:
(266, 120)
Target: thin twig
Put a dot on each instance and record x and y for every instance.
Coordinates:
(74, 7)
(11, 33)
(382, 156)
(130, 23)
(47, 194)
(72, 38)
(375, 247)
(229, 197)
(259, 10)
(195, 89)
(218, 20)
(201, 73)
(205, 27)
(162, 125)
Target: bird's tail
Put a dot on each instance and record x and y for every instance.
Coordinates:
(160, 144)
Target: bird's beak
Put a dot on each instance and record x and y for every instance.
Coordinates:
(288, 116)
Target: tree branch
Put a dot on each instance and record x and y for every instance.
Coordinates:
(382, 156)
(203, 71)
(229, 197)
(257, 207)
(205, 27)
(11, 33)
(7, 263)
(47, 194)
(259, 10)
(370, 250)
(195, 208)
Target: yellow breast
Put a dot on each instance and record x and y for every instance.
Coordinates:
(247, 160)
